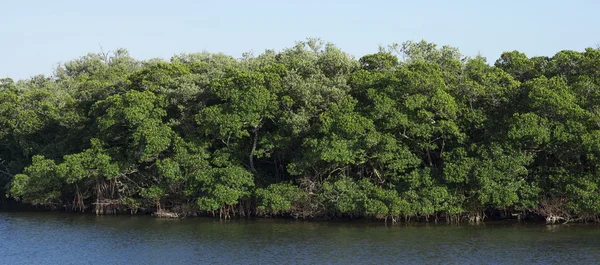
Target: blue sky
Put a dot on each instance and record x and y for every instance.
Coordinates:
(37, 35)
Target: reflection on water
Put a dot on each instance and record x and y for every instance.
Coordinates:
(59, 238)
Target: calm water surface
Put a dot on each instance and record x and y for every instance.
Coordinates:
(60, 238)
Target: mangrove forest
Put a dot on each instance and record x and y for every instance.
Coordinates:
(414, 131)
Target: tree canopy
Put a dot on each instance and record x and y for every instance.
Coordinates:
(413, 131)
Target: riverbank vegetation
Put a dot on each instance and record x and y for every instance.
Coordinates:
(412, 131)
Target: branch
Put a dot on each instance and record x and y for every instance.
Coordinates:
(6, 173)
(255, 140)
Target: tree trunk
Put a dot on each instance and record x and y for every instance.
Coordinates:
(254, 142)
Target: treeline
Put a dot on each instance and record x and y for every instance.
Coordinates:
(412, 131)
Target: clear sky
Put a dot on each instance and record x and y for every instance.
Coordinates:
(36, 35)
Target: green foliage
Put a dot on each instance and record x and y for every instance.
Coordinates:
(310, 131)
(91, 163)
(223, 183)
(378, 61)
(346, 196)
(280, 197)
(39, 183)
(152, 193)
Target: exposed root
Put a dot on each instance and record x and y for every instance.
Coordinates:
(165, 214)
(552, 219)
(106, 206)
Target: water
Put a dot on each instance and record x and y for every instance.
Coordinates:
(60, 238)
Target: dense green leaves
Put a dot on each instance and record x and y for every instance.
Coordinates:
(280, 197)
(310, 132)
